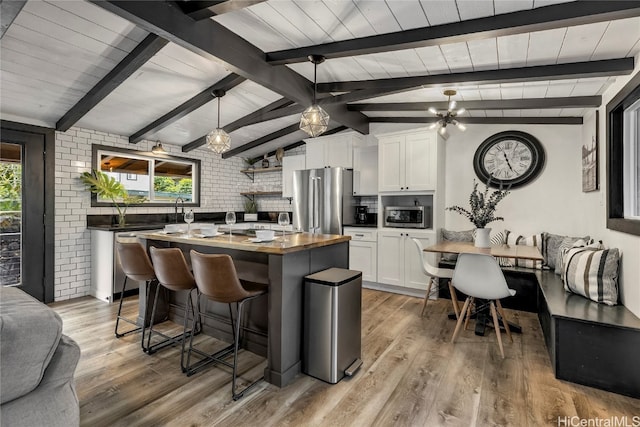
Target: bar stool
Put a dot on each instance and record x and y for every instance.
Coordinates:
(136, 266)
(217, 279)
(173, 274)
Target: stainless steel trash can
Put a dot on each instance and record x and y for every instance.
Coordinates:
(332, 324)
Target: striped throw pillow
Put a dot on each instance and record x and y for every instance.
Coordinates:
(535, 240)
(500, 239)
(592, 273)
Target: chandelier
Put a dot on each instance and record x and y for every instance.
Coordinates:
(448, 117)
(218, 140)
(314, 120)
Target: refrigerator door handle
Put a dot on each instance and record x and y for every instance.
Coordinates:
(316, 205)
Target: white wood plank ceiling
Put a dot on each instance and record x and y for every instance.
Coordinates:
(55, 52)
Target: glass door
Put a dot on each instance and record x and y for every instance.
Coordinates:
(26, 234)
(10, 214)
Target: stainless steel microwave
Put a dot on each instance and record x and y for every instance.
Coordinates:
(406, 217)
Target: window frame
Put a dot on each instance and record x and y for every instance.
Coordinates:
(96, 149)
(615, 113)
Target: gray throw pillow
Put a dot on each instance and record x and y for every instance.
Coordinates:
(551, 248)
(455, 236)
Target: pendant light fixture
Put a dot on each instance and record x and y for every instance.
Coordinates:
(449, 117)
(314, 120)
(218, 140)
(158, 148)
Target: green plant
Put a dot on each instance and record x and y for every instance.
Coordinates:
(107, 187)
(250, 206)
(482, 206)
(250, 161)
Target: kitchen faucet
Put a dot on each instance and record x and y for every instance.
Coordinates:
(181, 200)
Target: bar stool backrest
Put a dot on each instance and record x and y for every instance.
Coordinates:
(216, 277)
(172, 269)
(135, 262)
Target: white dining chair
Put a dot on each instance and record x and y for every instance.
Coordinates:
(434, 274)
(479, 276)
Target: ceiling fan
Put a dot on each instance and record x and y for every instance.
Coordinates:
(448, 117)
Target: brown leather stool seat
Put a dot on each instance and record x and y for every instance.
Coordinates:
(173, 274)
(136, 265)
(217, 279)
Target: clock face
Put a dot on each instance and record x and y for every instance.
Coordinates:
(509, 158)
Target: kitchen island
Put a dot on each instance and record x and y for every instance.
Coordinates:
(274, 328)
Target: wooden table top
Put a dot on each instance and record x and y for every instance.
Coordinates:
(506, 251)
(294, 243)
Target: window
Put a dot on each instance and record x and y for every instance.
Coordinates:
(623, 159)
(631, 167)
(159, 178)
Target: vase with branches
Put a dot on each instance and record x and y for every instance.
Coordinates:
(108, 187)
(482, 209)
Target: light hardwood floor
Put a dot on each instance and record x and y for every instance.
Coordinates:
(412, 376)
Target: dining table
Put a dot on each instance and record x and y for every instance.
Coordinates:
(504, 250)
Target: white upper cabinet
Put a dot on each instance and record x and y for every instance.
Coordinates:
(331, 151)
(365, 168)
(408, 161)
(291, 164)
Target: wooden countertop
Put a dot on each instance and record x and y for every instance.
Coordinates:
(295, 242)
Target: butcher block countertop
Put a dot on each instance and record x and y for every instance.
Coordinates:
(294, 242)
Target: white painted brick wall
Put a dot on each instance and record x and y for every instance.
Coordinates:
(221, 184)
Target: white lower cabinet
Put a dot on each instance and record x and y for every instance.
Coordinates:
(363, 252)
(399, 263)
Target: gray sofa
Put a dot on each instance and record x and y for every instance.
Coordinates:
(37, 363)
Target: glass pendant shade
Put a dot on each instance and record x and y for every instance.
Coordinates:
(218, 141)
(314, 121)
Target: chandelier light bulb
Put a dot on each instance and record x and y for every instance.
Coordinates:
(443, 130)
(433, 110)
(452, 105)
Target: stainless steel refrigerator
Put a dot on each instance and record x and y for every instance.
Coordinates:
(322, 200)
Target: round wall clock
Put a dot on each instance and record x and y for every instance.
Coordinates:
(509, 159)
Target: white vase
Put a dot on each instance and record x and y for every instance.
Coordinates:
(482, 239)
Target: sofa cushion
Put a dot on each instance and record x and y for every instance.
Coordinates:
(551, 247)
(455, 236)
(29, 335)
(592, 273)
(534, 240)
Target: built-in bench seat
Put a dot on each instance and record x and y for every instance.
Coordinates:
(589, 343)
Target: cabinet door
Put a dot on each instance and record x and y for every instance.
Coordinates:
(363, 257)
(391, 163)
(338, 152)
(391, 258)
(365, 171)
(414, 277)
(291, 164)
(314, 154)
(420, 162)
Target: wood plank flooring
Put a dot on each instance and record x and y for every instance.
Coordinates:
(412, 376)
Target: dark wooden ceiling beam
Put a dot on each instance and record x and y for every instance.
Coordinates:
(489, 104)
(226, 84)
(525, 21)
(8, 12)
(262, 140)
(301, 142)
(214, 41)
(198, 10)
(574, 70)
(249, 119)
(487, 120)
(134, 60)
